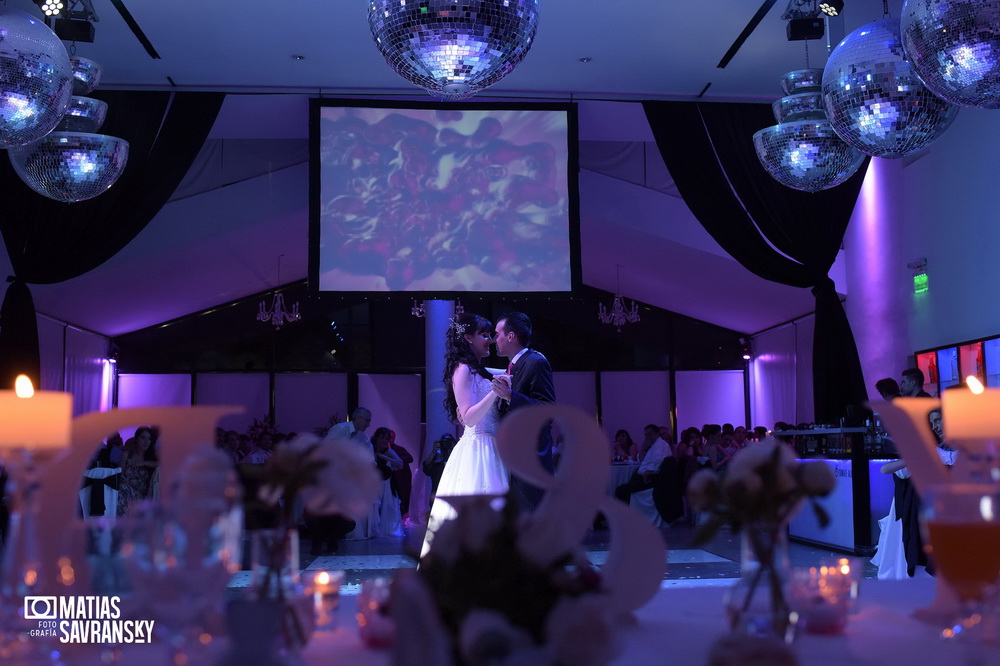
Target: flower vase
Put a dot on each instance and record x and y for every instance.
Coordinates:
(275, 581)
(757, 604)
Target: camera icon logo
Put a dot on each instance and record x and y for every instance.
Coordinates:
(40, 608)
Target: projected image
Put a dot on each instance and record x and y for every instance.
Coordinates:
(443, 200)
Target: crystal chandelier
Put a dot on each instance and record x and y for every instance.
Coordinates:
(802, 151)
(619, 314)
(277, 314)
(73, 163)
(954, 46)
(36, 78)
(874, 98)
(453, 48)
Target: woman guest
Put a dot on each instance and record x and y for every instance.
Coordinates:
(623, 448)
(139, 462)
(390, 522)
(402, 479)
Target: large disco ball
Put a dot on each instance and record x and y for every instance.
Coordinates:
(802, 151)
(453, 48)
(36, 79)
(874, 98)
(70, 166)
(954, 46)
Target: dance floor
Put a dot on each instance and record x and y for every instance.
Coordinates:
(715, 563)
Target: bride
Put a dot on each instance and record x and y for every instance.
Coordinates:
(474, 467)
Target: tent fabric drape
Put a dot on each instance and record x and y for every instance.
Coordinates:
(778, 233)
(50, 241)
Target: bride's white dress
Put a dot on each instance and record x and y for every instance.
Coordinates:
(474, 467)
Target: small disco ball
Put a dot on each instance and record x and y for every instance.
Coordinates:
(36, 79)
(874, 99)
(453, 48)
(70, 166)
(84, 114)
(954, 47)
(86, 75)
(806, 155)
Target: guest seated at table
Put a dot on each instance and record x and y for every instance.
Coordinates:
(110, 453)
(642, 479)
(402, 479)
(718, 456)
(623, 448)
(139, 463)
(260, 448)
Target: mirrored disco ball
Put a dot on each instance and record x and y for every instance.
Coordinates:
(86, 75)
(84, 114)
(453, 48)
(35, 78)
(70, 166)
(806, 155)
(874, 98)
(954, 46)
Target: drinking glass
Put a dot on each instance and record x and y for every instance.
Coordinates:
(961, 524)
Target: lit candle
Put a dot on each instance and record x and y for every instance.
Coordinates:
(34, 419)
(325, 589)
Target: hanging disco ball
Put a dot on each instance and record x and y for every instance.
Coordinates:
(874, 98)
(954, 46)
(802, 151)
(36, 79)
(70, 166)
(453, 48)
(84, 114)
(86, 75)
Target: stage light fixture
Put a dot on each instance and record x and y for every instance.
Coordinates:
(832, 7)
(50, 7)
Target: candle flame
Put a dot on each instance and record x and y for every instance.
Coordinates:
(23, 387)
(974, 384)
(323, 578)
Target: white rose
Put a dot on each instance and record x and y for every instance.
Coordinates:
(347, 484)
(817, 478)
(581, 633)
(699, 487)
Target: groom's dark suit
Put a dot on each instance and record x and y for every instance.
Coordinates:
(531, 384)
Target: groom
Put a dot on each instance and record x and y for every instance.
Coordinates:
(530, 384)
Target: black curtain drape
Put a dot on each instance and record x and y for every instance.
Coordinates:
(49, 241)
(778, 233)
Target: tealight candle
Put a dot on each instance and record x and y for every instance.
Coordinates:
(375, 627)
(34, 420)
(324, 586)
(820, 596)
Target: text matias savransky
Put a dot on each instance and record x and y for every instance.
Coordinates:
(85, 619)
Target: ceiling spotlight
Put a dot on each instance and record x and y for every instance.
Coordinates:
(50, 7)
(831, 7)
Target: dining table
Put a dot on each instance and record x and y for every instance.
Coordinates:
(619, 473)
(679, 625)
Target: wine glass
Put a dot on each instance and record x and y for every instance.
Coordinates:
(961, 524)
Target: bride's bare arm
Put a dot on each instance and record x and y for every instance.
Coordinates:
(469, 413)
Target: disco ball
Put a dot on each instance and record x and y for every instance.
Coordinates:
(84, 114)
(36, 79)
(802, 151)
(453, 48)
(70, 166)
(954, 46)
(874, 98)
(86, 75)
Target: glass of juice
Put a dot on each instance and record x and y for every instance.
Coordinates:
(961, 524)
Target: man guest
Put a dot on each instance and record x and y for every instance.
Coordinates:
(912, 385)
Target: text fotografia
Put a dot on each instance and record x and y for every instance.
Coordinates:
(89, 619)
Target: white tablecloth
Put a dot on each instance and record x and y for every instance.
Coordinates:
(620, 473)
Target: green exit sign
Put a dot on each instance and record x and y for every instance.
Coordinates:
(920, 283)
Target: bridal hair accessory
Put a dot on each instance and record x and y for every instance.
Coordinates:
(457, 327)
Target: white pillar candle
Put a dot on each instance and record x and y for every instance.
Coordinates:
(34, 419)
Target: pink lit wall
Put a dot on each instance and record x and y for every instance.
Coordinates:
(710, 397)
(941, 205)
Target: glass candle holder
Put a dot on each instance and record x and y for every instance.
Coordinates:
(821, 597)
(324, 588)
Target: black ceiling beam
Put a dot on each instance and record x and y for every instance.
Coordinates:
(136, 30)
(750, 27)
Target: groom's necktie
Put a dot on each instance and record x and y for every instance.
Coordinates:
(510, 369)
